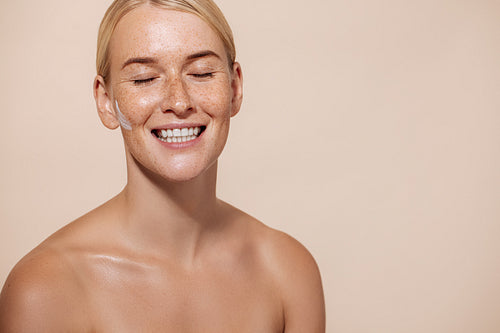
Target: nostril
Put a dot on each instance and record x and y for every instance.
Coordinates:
(178, 107)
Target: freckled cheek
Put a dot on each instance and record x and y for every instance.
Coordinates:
(136, 107)
(215, 101)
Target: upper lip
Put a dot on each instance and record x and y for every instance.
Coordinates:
(178, 125)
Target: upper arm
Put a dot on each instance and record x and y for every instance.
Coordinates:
(37, 297)
(301, 289)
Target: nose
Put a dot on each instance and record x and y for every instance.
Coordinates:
(177, 99)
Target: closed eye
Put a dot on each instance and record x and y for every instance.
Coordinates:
(203, 75)
(143, 82)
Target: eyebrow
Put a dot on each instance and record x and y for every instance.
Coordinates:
(139, 60)
(149, 60)
(202, 54)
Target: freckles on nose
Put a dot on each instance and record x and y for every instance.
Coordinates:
(175, 95)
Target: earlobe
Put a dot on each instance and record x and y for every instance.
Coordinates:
(104, 104)
(237, 86)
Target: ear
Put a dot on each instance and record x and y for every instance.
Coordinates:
(237, 85)
(104, 103)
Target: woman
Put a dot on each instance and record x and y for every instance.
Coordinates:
(165, 255)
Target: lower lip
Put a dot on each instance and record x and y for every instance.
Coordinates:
(179, 145)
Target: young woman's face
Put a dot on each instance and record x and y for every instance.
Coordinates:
(171, 89)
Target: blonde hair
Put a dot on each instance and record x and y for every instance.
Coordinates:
(207, 10)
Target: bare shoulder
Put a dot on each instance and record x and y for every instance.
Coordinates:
(39, 294)
(44, 291)
(298, 278)
(295, 274)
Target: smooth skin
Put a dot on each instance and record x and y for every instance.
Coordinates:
(165, 255)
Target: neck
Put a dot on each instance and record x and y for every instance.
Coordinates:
(166, 216)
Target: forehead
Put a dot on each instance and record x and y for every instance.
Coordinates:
(152, 31)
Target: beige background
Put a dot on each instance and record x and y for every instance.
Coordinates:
(370, 131)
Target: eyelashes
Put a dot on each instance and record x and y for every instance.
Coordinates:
(203, 75)
(147, 81)
(143, 81)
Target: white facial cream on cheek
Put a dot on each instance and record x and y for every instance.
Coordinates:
(122, 119)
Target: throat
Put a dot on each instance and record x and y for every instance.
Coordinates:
(161, 225)
(148, 196)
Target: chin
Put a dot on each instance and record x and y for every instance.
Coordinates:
(177, 172)
(181, 176)
(186, 169)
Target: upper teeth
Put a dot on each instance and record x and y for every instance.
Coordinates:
(179, 134)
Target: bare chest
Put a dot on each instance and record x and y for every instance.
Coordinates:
(211, 301)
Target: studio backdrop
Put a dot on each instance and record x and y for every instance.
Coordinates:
(370, 131)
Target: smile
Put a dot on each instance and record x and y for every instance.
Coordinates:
(178, 134)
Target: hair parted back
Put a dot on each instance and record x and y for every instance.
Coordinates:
(207, 10)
